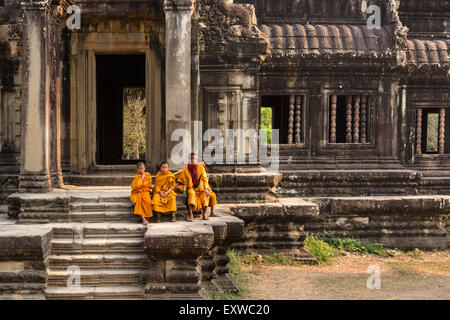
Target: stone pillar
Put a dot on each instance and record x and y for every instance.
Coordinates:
(53, 94)
(333, 136)
(419, 132)
(178, 69)
(35, 160)
(442, 131)
(174, 252)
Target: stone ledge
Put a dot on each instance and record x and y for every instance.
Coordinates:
(20, 243)
(413, 205)
(188, 258)
(286, 208)
(187, 239)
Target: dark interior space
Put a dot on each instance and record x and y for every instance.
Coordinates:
(280, 112)
(341, 119)
(114, 73)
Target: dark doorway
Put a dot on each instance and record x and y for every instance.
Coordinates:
(117, 76)
(280, 114)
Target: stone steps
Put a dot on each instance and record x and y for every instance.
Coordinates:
(103, 216)
(326, 183)
(95, 230)
(119, 245)
(110, 256)
(99, 261)
(101, 277)
(98, 293)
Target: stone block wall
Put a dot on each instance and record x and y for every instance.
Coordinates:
(399, 222)
(23, 261)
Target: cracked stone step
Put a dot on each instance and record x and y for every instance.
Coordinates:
(98, 261)
(102, 216)
(92, 278)
(99, 230)
(104, 292)
(102, 206)
(69, 246)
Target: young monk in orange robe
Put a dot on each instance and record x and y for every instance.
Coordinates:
(201, 196)
(165, 198)
(140, 193)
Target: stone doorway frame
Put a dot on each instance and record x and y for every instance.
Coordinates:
(83, 102)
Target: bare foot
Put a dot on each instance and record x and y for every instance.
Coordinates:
(145, 222)
(190, 218)
(205, 217)
(173, 218)
(214, 215)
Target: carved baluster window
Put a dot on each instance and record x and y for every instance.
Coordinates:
(291, 119)
(349, 119)
(356, 114)
(333, 118)
(298, 119)
(419, 132)
(442, 131)
(363, 119)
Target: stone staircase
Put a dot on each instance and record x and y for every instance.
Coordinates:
(110, 258)
(104, 241)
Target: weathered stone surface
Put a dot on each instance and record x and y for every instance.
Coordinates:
(184, 255)
(399, 222)
(23, 260)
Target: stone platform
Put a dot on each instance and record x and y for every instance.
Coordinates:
(117, 260)
(95, 230)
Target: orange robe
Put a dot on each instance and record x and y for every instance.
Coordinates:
(140, 195)
(163, 183)
(197, 197)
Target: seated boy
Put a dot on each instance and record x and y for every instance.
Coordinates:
(164, 198)
(200, 195)
(140, 193)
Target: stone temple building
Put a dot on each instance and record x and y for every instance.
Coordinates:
(358, 89)
(344, 96)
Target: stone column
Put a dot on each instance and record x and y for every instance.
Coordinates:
(178, 69)
(34, 171)
(53, 71)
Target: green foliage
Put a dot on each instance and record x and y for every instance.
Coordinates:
(274, 259)
(134, 124)
(239, 277)
(266, 122)
(358, 247)
(140, 278)
(323, 251)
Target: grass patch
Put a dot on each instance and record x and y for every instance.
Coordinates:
(239, 277)
(275, 259)
(359, 247)
(416, 253)
(322, 250)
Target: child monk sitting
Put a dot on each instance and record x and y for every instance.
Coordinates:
(164, 198)
(140, 193)
(200, 195)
